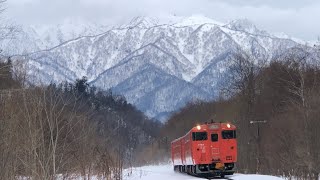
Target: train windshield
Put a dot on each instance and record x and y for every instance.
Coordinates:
(199, 136)
(230, 134)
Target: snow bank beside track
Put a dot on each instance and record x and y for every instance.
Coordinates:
(165, 172)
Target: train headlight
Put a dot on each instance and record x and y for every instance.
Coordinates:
(228, 125)
(198, 127)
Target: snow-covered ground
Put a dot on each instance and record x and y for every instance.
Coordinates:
(165, 172)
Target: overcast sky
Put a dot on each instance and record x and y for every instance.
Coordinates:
(297, 18)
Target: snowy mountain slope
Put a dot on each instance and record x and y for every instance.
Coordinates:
(158, 91)
(166, 172)
(209, 79)
(145, 60)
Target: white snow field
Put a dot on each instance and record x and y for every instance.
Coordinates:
(165, 172)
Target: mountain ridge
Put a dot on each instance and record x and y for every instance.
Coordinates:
(198, 54)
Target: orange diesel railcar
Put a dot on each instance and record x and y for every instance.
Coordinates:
(209, 149)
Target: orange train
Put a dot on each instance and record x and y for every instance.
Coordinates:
(206, 150)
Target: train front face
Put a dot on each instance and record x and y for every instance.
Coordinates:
(218, 152)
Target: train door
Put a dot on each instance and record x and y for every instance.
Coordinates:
(188, 157)
(215, 145)
(182, 151)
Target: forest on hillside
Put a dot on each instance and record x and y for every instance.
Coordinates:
(68, 128)
(283, 96)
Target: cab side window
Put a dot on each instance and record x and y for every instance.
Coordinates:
(230, 134)
(214, 137)
(199, 136)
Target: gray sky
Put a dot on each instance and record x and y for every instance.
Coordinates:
(297, 18)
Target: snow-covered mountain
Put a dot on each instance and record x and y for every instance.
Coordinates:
(159, 67)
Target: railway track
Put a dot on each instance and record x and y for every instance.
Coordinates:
(209, 177)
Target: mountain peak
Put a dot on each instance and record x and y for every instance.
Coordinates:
(246, 26)
(197, 20)
(143, 22)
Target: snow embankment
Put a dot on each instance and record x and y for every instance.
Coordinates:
(165, 172)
